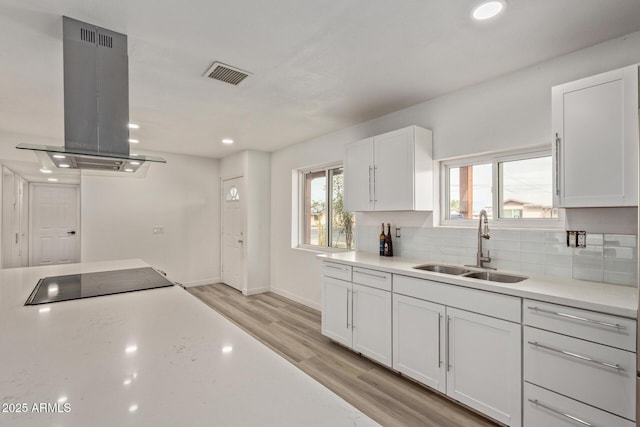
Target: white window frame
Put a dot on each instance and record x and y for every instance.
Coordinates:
(301, 209)
(494, 159)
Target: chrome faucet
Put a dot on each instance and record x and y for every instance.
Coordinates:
(483, 233)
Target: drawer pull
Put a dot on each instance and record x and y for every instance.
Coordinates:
(336, 268)
(581, 319)
(555, 411)
(579, 356)
(378, 276)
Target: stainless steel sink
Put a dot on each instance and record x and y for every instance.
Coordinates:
(445, 269)
(492, 276)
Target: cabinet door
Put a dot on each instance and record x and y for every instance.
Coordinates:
(358, 176)
(595, 132)
(336, 310)
(372, 323)
(394, 170)
(484, 364)
(418, 341)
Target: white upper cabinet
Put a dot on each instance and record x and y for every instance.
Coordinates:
(390, 172)
(595, 137)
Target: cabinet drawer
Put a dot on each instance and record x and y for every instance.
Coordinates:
(373, 278)
(592, 373)
(337, 271)
(543, 408)
(602, 328)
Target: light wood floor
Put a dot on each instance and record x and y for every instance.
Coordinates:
(293, 331)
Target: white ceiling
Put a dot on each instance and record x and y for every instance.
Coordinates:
(317, 66)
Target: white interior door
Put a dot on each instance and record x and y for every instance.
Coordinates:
(233, 232)
(55, 224)
(15, 207)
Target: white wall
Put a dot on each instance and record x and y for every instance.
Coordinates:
(508, 112)
(182, 196)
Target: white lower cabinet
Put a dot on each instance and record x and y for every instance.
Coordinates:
(473, 358)
(484, 369)
(418, 341)
(544, 408)
(371, 323)
(336, 310)
(359, 316)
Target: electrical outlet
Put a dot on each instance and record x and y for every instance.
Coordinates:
(576, 239)
(581, 239)
(398, 232)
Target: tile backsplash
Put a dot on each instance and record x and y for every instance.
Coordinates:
(610, 258)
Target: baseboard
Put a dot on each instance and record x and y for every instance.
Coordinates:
(249, 292)
(297, 298)
(201, 282)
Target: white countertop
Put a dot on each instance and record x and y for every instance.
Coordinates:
(603, 297)
(147, 358)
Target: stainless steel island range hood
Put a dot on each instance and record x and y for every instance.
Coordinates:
(96, 103)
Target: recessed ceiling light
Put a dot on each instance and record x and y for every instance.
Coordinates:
(59, 156)
(227, 141)
(133, 141)
(488, 9)
(131, 349)
(63, 165)
(135, 163)
(128, 170)
(45, 310)
(134, 154)
(43, 170)
(227, 349)
(133, 408)
(133, 126)
(52, 179)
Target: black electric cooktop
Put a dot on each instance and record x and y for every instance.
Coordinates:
(87, 285)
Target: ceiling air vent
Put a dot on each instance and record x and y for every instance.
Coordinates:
(226, 73)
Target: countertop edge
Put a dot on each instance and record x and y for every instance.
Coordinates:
(551, 290)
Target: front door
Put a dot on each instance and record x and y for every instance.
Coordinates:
(233, 232)
(55, 220)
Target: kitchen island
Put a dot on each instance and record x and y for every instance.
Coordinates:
(156, 357)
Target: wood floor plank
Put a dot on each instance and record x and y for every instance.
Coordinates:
(293, 331)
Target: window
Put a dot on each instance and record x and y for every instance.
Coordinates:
(513, 189)
(324, 222)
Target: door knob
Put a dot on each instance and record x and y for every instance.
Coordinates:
(240, 241)
(71, 232)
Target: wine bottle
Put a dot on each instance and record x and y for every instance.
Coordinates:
(382, 239)
(388, 244)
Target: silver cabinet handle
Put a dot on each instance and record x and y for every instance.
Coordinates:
(578, 356)
(353, 303)
(375, 168)
(448, 344)
(370, 197)
(439, 345)
(378, 276)
(581, 319)
(557, 165)
(348, 292)
(336, 268)
(555, 411)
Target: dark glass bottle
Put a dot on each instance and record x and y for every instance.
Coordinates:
(382, 239)
(388, 243)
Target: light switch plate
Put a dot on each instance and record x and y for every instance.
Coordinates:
(398, 232)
